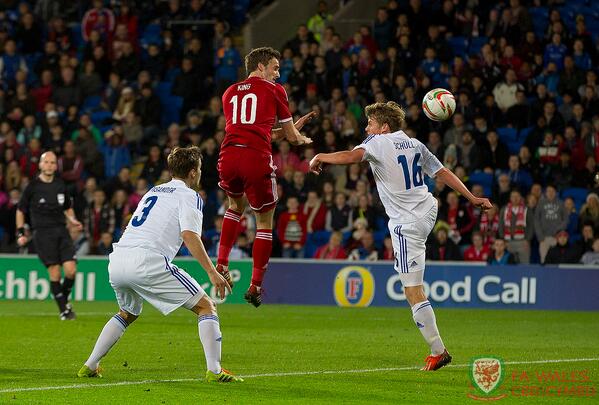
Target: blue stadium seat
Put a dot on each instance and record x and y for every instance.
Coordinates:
(476, 43)
(151, 35)
(171, 110)
(579, 195)
(91, 103)
(514, 146)
(98, 117)
(315, 240)
(507, 134)
(524, 132)
(163, 91)
(459, 45)
(171, 74)
(77, 35)
(483, 179)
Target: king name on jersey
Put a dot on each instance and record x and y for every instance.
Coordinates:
(243, 87)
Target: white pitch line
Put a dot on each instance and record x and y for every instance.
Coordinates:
(283, 374)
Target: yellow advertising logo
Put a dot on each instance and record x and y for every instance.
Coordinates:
(354, 287)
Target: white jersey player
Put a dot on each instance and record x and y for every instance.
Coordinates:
(399, 164)
(140, 266)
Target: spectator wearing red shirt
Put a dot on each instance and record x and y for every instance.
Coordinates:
(70, 167)
(31, 158)
(477, 252)
(285, 158)
(459, 217)
(291, 229)
(333, 249)
(100, 19)
(315, 212)
(488, 225)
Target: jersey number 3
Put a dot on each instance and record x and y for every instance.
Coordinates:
(148, 204)
(416, 171)
(243, 118)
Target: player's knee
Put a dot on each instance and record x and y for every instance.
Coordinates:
(206, 304)
(129, 318)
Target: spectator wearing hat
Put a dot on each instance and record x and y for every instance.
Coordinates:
(563, 251)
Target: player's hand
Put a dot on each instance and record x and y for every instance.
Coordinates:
(299, 124)
(22, 240)
(77, 225)
(316, 164)
(482, 203)
(219, 283)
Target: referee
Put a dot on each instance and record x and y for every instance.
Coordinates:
(46, 201)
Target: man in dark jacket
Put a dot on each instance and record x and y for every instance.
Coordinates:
(563, 252)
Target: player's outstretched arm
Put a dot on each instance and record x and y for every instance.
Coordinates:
(196, 247)
(277, 133)
(337, 158)
(453, 181)
(293, 135)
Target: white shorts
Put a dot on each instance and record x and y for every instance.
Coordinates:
(409, 247)
(136, 274)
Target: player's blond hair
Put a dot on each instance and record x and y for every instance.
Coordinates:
(389, 113)
(260, 55)
(183, 160)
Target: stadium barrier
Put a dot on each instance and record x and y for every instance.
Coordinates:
(346, 284)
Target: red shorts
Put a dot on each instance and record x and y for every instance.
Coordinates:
(247, 171)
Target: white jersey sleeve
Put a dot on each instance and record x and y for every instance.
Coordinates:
(430, 164)
(190, 213)
(371, 149)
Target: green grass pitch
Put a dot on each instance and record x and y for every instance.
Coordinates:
(290, 354)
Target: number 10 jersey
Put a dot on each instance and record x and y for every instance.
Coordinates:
(251, 108)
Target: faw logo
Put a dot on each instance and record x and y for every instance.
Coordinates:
(486, 374)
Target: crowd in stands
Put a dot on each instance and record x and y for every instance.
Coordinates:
(113, 87)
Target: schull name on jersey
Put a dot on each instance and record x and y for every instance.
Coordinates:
(251, 109)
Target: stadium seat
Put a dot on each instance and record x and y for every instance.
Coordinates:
(507, 134)
(524, 132)
(99, 117)
(171, 110)
(171, 74)
(459, 45)
(77, 35)
(476, 43)
(163, 91)
(483, 179)
(514, 146)
(579, 195)
(91, 103)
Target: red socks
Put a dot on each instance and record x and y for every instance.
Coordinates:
(261, 254)
(228, 236)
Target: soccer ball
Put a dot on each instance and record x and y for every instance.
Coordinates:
(438, 104)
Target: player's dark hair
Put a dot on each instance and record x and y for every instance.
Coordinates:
(260, 55)
(389, 113)
(182, 160)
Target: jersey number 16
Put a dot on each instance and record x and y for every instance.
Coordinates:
(416, 171)
(253, 100)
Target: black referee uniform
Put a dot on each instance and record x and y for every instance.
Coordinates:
(45, 204)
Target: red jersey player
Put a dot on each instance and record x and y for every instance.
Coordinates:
(245, 163)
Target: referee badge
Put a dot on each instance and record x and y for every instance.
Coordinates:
(60, 198)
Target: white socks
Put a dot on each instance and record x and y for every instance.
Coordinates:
(424, 317)
(112, 332)
(210, 336)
